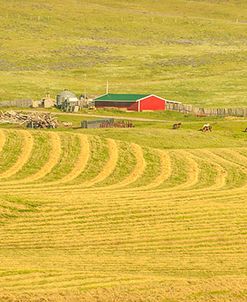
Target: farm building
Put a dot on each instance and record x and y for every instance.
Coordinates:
(134, 102)
(46, 102)
(67, 101)
(65, 96)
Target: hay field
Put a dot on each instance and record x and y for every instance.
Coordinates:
(88, 218)
(190, 51)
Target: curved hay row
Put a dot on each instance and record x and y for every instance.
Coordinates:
(242, 153)
(237, 160)
(137, 171)
(165, 171)
(54, 157)
(221, 172)
(232, 165)
(109, 166)
(2, 140)
(221, 176)
(192, 173)
(220, 180)
(81, 161)
(235, 157)
(37, 159)
(27, 147)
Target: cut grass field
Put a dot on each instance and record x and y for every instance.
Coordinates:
(190, 51)
(106, 216)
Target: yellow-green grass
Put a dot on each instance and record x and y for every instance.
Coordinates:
(99, 155)
(125, 164)
(152, 168)
(191, 51)
(10, 150)
(136, 223)
(39, 156)
(70, 149)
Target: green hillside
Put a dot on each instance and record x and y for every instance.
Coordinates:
(191, 51)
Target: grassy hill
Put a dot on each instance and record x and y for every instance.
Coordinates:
(91, 216)
(191, 51)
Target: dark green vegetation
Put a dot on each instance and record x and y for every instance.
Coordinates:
(191, 51)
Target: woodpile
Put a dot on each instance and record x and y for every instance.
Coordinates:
(106, 123)
(67, 124)
(118, 124)
(30, 119)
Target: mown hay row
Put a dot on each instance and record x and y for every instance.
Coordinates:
(80, 163)
(39, 156)
(216, 174)
(125, 164)
(27, 146)
(55, 153)
(11, 150)
(109, 166)
(136, 172)
(53, 149)
(2, 139)
(236, 175)
(192, 171)
(165, 171)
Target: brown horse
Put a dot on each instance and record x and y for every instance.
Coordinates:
(177, 126)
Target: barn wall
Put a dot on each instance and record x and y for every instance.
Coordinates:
(152, 103)
(103, 104)
(133, 106)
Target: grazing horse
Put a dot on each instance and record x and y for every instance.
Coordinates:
(176, 126)
(206, 128)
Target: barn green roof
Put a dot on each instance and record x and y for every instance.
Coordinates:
(110, 97)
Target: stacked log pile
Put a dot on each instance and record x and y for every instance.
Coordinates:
(118, 124)
(30, 119)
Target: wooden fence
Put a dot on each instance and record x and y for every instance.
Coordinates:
(17, 103)
(241, 112)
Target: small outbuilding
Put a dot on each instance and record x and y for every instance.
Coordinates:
(46, 102)
(65, 96)
(134, 102)
(67, 101)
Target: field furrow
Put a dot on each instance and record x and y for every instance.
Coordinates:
(192, 171)
(80, 163)
(165, 171)
(73, 208)
(2, 140)
(26, 150)
(54, 157)
(136, 172)
(109, 166)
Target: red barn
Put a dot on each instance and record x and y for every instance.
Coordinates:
(134, 102)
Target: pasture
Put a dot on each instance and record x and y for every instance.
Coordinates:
(130, 215)
(189, 51)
